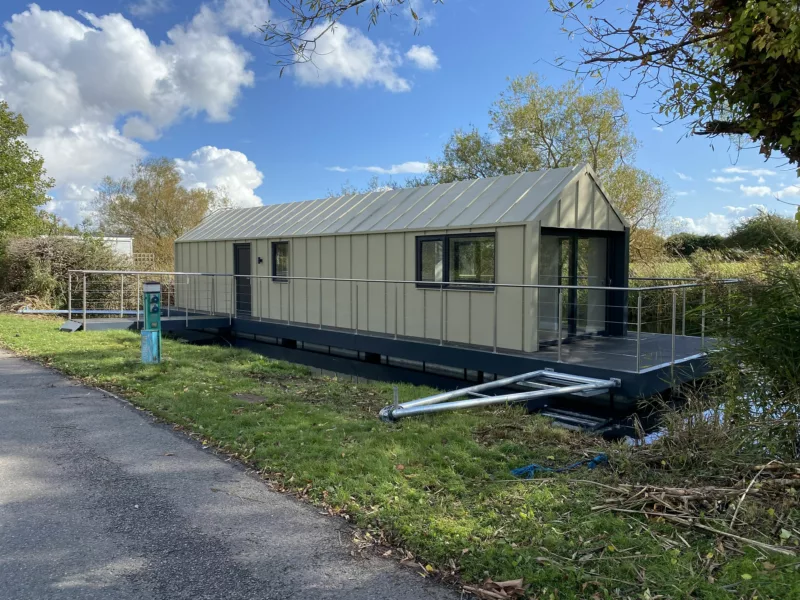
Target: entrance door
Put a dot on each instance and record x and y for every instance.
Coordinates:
(571, 258)
(244, 291)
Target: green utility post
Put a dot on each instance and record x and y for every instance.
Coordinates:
(151, 334)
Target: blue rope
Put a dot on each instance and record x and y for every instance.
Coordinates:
(530, 471)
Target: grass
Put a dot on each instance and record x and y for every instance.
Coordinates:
(438, 486)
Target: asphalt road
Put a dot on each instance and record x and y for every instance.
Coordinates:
(99, 501)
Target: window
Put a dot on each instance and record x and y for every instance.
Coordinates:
(280, 261)
(465, 258)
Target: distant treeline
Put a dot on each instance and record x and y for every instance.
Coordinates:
(762, 233)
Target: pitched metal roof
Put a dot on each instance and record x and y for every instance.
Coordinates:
(480, 202)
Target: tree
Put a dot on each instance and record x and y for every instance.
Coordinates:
(684, 244)
(23, 179)
(541, 127)
(731, 67)
(373, 185)
(767, 232)
(154, 207)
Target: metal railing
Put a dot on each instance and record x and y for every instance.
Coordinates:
(635, 328)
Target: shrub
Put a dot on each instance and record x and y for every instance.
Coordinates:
(767, 233)
(38, 267)
(683, 245)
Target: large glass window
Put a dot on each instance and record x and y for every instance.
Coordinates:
(472, 259)
(280, 261)
(431, 258)
(456, 258)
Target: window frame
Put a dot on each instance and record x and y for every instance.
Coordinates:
(446, 282)
(274, 262)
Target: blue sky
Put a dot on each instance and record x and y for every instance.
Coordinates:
(190, 81)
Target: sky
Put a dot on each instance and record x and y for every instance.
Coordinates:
(104, 83)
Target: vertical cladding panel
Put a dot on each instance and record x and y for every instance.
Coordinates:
(550, 214)
(178, 269)
(328, 269)
(585, 195)
(481, 318)
(376, 292)
(201, 282)
(223, 283)
(298, 257)
(614, 222)
(457, 312)
(567, 205)
(313, 266)
(601, 210)
(358, 267)
(532, 295)
(510, 268)
(344, 290)
(260, 283)
(395, 270)
(194, 282)
(412, 322)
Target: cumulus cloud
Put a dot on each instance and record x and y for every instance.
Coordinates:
(684, 192)
(423, 57)
(792, 190)
(755, 190)
(683, 176)
(227, 170)
(749, 171)
(717, 223)
(346, 56)
(658, 128)
(722, 189)
(407, 168)
(77, 80)
(725, 179)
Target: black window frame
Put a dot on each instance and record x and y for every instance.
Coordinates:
(280, 278)
(446, 282)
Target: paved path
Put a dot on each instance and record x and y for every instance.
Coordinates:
(98, 501)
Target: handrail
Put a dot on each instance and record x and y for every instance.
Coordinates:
(434, 285)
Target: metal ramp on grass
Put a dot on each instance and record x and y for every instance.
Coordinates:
(541, 384)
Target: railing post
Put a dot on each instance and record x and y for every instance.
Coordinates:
(320, 304)
(84, 302)
(639, 332)
(441, 313)
(356, 309)
(232, 311)
(674, 310)
(213, 302)
(683, 315)
(69, 296)
(395, 310)
(494, 333)
(138, 300)
(121, 296)
(186, 308)
(560, 316)
(703, 320)
(280, 307)
(170, 292)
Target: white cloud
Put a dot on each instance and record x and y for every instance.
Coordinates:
(725, 179)
(723, 189)
(716, 223)
(148, 8)
(684, 193)
(683, 176)
(227, 170)
(423, 57)
(792, 190)
(747, 171)
(762, 180)
(76, 80)
(406, 168)
(344, 55)
(658, 128)
(755, 190)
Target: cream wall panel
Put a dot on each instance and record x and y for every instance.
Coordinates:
(358, 267)
(395, 270)
(328, 288)
(601, 210)
(550, 215)
(298, 287)
(510, 268)
(481, 318)
(344, 293)
(457, 316)
(377, 293)
(313, 266)
(586, 189)
(412, 322)
(568, 205)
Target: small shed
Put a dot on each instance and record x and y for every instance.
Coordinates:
(437, 262)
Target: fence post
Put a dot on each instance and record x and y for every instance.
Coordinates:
(84, 302)
(121, 295)
(494, 335)
(170, 292)
(674, 310)
(441, 313)
(139, 299)
(639, 333)
(69, 296)
(703, 320)
(560, 316)
(683, 315)
(320, 303)
(395, 310)
(186, 308)
(356, 309)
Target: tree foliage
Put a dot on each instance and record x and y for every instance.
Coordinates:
(154, 207)
(542, 127)
(730, 66)
(767, 232)
(23, 179)
(683, 245)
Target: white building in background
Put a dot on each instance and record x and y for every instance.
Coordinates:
(121, 245)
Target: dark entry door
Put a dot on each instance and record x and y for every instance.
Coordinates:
(244, 289)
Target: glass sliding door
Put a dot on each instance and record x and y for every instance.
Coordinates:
(572, 258)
